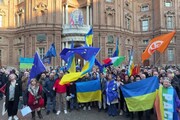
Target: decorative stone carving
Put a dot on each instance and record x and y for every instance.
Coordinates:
(41, 7)
(2, 12)
(109, 10)
(128, 16)
(145, 17)
(169, 13)
(20, 11)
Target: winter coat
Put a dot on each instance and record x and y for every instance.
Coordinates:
(59, 88)
(17, 94)
(48, 88)
(35, 101)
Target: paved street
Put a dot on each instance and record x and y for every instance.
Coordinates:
(74, 115)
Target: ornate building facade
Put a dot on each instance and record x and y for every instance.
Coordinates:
(27, 26)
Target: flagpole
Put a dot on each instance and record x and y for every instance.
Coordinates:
(54, 57)
(158, 60)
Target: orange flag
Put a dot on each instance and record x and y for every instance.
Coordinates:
(159, 43)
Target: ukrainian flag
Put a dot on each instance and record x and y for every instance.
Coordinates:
(88, 91)
(89, 37)
(71, 67)
(141, 95)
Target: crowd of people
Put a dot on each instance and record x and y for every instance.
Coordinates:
(45, 92)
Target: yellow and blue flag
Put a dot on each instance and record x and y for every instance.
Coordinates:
(89, 37)
(71, 67)
(88, 53)
(88, 91)
(141, 95)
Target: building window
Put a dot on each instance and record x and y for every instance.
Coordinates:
(144, 8)
(128, 23)
(110, 39)
(168, 3)
(20, 1)
(109, 1)
(173, 40)
(110, 52)
(145, 25)
(1, 20)
(145, 42)
(169, 21)
(20, 52)
(128, 54)
(42, 52)
(170, 55)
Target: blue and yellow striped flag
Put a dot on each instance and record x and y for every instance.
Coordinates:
(89, 37)
(141, 95)
(88, 91)
(71, 67)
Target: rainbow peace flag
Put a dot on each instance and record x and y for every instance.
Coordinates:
(141, 95)
(166, 105)
(131, 63)
(88, 91)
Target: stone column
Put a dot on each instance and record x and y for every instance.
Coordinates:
(67, 46)
(87, 14)
(63, 15)
(62, 49)
(91, 15)
(67, 14)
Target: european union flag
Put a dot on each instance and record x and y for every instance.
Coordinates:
(37, 68)
(97, 63)
(85, 52)
(50, 53)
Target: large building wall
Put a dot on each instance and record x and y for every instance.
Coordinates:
(24, 21)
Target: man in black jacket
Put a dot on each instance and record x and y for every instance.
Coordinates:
(13, 93)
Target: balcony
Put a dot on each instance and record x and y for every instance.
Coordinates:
(75, 29)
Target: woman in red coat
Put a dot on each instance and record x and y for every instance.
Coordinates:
(35, 100)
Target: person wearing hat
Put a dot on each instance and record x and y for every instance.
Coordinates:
(13, 93)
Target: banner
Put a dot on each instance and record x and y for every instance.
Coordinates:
(25, 63)
(165, 104)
